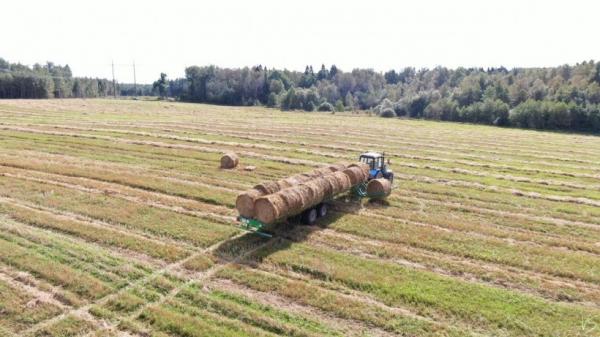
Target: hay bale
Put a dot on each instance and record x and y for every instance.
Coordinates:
(245, 202)
(342, 181)
(229, 161)
(355, 174)
(315, 191)
(294, 200)
(267, 187)
(378, 186)
(268, 208)
(339, 166)
(364, 167)
(316, 173)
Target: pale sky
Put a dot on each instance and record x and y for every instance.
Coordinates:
(167, 36)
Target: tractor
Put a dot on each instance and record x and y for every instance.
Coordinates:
(378, 168)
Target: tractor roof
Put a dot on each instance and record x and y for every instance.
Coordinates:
(371, 155)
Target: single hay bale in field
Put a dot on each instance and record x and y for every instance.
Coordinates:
(268, 208)
(267, 187)
(364, 167)
(229, 161)
(355, 174)
(379, 186)
(245, 202)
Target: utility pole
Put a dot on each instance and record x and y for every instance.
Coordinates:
(134, 82)
(114, 84)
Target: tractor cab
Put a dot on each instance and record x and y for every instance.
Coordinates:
(376, 162)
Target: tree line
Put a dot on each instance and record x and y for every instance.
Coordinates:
(56, 81)
(564, 97)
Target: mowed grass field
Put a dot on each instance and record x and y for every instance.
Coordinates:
(115, 219)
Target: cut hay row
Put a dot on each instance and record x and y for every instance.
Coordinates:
(553, 288)
(555, 262)
(36, 159)
(408, 146)
(340, 304)
(120, 212)
(139, 195)
(515, 192)
(327, 265)
(39, 297)
(419, 139)
(92, 231)
(333, 155)
(167, 145)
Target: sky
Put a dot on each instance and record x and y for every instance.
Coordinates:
(168, 36)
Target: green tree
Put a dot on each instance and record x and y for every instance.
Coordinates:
(161, 85)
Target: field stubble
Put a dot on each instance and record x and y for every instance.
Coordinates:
(115, 219)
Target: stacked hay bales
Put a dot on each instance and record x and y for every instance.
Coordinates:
(245, 202)
(364, 167)
(270, 207)
(229, 161)
(379, 186)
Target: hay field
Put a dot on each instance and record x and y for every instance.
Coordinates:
(115, 219)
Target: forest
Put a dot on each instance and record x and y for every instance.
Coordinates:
(56, 81)
(565, 97)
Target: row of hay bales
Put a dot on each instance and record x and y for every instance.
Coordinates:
(272, 199)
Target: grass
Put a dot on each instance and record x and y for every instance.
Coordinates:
(122, 206)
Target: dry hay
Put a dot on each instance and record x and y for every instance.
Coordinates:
(379, 186)
(245, 202)
(339, 166)
(293, 193)
(364, 167)
(229, 161)
(268, 208)
(355, 174)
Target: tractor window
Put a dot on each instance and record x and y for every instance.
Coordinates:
(367, 160)
(379, 162)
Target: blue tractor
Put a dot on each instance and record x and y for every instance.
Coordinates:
(377, 163)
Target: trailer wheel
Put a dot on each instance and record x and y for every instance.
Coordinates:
(310, 216)
(322, 210)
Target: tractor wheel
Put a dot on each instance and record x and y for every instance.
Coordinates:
(390, 177)
(309, 216)
(379, 175)
(322, 210)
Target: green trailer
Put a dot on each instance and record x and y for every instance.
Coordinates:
(310, 213)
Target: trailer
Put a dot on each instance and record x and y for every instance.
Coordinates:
(311, 213)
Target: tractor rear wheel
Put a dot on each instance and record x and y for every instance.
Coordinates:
(309, 216)
(390, 177)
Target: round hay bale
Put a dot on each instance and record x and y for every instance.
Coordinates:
(339, 166)
(316, 173)
(268, 208)
(293, 199)
(245, 202)
(315, 191)
(267, 187)
(229, 161)
(342, 181)
(324, 186)
(378, 186)
(364, 167)
(355, 174)
(283, 184)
